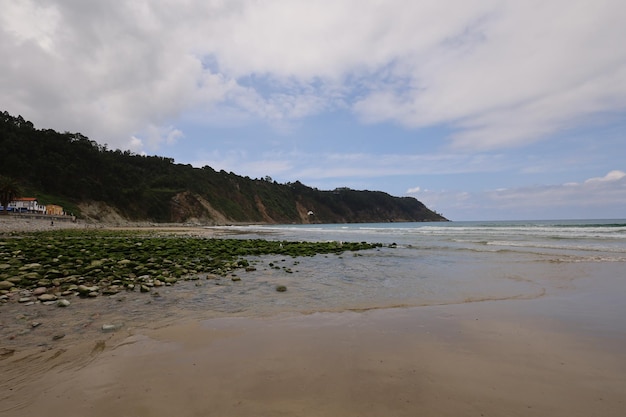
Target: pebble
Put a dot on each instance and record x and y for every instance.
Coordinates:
(24, 300)
(40, 291)
(85, 290)
(58, 336)
(63, 303)
(47, 297)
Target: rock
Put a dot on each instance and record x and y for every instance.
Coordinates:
(63, 303)
(96, 263)
(235, 279)
(47, 297)
(39, 291)
(58, 336)
(31, 276)
(85, 290)
(144, 288)
(93, 294)
(72, 279)
(53, 273)
(29, 267)
(112, 290)
(24, 300)
(35, 324)
(6, 285)
(281, 288)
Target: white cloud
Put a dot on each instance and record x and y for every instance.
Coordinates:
(527, 69)
(601, 197)
(614, 175)
(500, 73)
(413, 190)
(26, 22)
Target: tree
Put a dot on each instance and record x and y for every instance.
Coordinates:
(9, 190)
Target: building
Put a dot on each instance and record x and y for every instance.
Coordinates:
(26, 205)
(54, 210)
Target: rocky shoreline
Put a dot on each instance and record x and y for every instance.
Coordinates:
(59, 284)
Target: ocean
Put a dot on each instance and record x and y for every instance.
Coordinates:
(423, 264)
(570, 271)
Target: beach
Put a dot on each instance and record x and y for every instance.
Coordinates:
(546, 341)
(425, 361)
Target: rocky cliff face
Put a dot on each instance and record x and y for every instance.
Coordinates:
(189, 207)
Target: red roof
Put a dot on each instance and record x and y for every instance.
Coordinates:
(25, 199)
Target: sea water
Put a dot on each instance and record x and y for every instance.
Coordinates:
(422, 264)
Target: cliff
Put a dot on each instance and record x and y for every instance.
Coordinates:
(92, 181)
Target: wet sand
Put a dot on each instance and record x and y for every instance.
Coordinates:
(489, 359)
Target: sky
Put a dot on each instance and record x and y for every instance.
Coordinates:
(481, 109)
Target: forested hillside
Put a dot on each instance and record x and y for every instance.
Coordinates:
(71, 170)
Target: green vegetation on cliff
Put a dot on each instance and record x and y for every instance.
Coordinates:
(71, 170)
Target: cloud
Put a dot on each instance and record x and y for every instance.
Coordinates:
(612, 176)
(599, 197)
(522, 71)
(498, 73)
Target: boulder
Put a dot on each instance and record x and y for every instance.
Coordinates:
(6, 285)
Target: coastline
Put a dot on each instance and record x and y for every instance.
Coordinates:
(557, 354)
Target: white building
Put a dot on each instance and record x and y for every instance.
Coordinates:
(26, 205)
